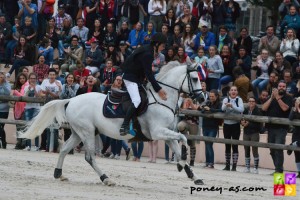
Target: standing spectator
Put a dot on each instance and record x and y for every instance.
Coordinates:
(291, 88)
(189, 126)
(290, 46)
(22, 56)
(244, 61)
(204, 38)
(187, 40)
(91, 7)
(143, 12)
(232, 14)
(295, 114)
(80, 31)
(279, 64)
(242, 83)
(137, 149)
(73, 53)
(214, 68)
(263, 64)
(169, 19)
(223, 38)
(61, 16)
(51, 89)
(69, 90)
(28, 9)
(45, 12)
(278, 105)
(19, 90)
(187, 18)
(11, 10)
(269, 42)
(218, 15)
(70, 7)
(231, 128)
(251, 133)
(243, 40)
(5, 89)
(106, 11)
(153, 149)
(41, 69)
(47, 51)
(290, 21)
(93, 57)
(128, 11)
(157, 9)
(5, 33)
(136, 38)
(32, 109)
(211, 126)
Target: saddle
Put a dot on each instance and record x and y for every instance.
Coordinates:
(117, 103)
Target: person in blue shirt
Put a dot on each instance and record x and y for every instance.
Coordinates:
(204, 38)
(136, 38)
(148, 33)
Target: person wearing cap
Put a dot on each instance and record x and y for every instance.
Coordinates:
(204, 37)
(136, 67)
(60, 16)
(73, 53)
(93, 57)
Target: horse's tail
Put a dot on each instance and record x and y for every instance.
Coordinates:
(49, 112)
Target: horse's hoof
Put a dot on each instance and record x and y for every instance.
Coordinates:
(179, 167)
(62, 178)
(109, 182)
(198, 182)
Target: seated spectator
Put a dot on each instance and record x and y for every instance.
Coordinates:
(123, 33)
(93, 57)
(47, 51)
(5, 33)
(296, 70)
(110, 36)
(28, 9)
(97, 32)
(291, 88)
(73, 53)
(90, 83)
(204, 38)
(58, 76)
(263, 63)
(80, 31)
(11, 44)
(25, 71)
(273, 82)
(170, 54)
(41, 69)
(81, 72)
(22, 55)
(228, 64)
(148, 33)
(52, 33)
(169, 43)
(269, 42)
(176, 38)
(284, 7)
(28, 30)
(5, 89)
(108, 76)
(158, 62)
(63, 34)
(112, 53)
(124, 52)
(182, 57)
(187, 40)
(136, 37)
(290, 46)
(186, 16)
(91, 8)
(242, 83)
(244, 61)
(263, 97)
(223, 38)
(214, 68)
(169, 20)
(243, 40)
(279, 64)
(61, 16)
(290, 21)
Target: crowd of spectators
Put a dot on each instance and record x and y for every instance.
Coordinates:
(82, 47)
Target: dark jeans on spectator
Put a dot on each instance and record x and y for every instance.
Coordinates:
(231, 131)
(209, 151)
(9, 50)
(18, 63)
(29, 114)
(3, 115)
(277, 136)
(105, 142)
(116, 146)
(137, 148)
(55, 139)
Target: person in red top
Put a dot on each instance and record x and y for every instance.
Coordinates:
(106, 10)
(41, 69)
(80, 72)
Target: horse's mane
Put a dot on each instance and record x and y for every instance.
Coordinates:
(166, 68)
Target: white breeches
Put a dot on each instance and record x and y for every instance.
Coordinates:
(133, 91)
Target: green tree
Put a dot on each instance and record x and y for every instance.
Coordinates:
(271, 5)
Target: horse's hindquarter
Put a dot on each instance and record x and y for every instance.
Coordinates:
(85, 112)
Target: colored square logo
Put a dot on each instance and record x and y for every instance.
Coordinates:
(279, 190)
(278, 179)
(290, 178)
(290, 190)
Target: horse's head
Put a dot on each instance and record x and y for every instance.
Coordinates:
(191, 84)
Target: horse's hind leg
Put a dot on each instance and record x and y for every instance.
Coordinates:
(89, 145)
(66, 148)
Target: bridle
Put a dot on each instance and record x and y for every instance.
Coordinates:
(192, 94)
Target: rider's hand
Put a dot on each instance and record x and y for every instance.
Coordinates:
(162, 94)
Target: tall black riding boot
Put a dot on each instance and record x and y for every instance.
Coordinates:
(124, 130)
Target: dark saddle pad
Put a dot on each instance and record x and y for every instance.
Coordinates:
(117, 103)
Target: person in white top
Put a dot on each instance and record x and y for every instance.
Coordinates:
(157, 9)
(290, 46)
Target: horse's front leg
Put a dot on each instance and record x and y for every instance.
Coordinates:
(171, 137)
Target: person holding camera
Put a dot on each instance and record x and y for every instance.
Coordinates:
(278, 105)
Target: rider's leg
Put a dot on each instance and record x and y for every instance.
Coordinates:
(133, 91)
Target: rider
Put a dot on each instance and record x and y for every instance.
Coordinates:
(136, 67)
